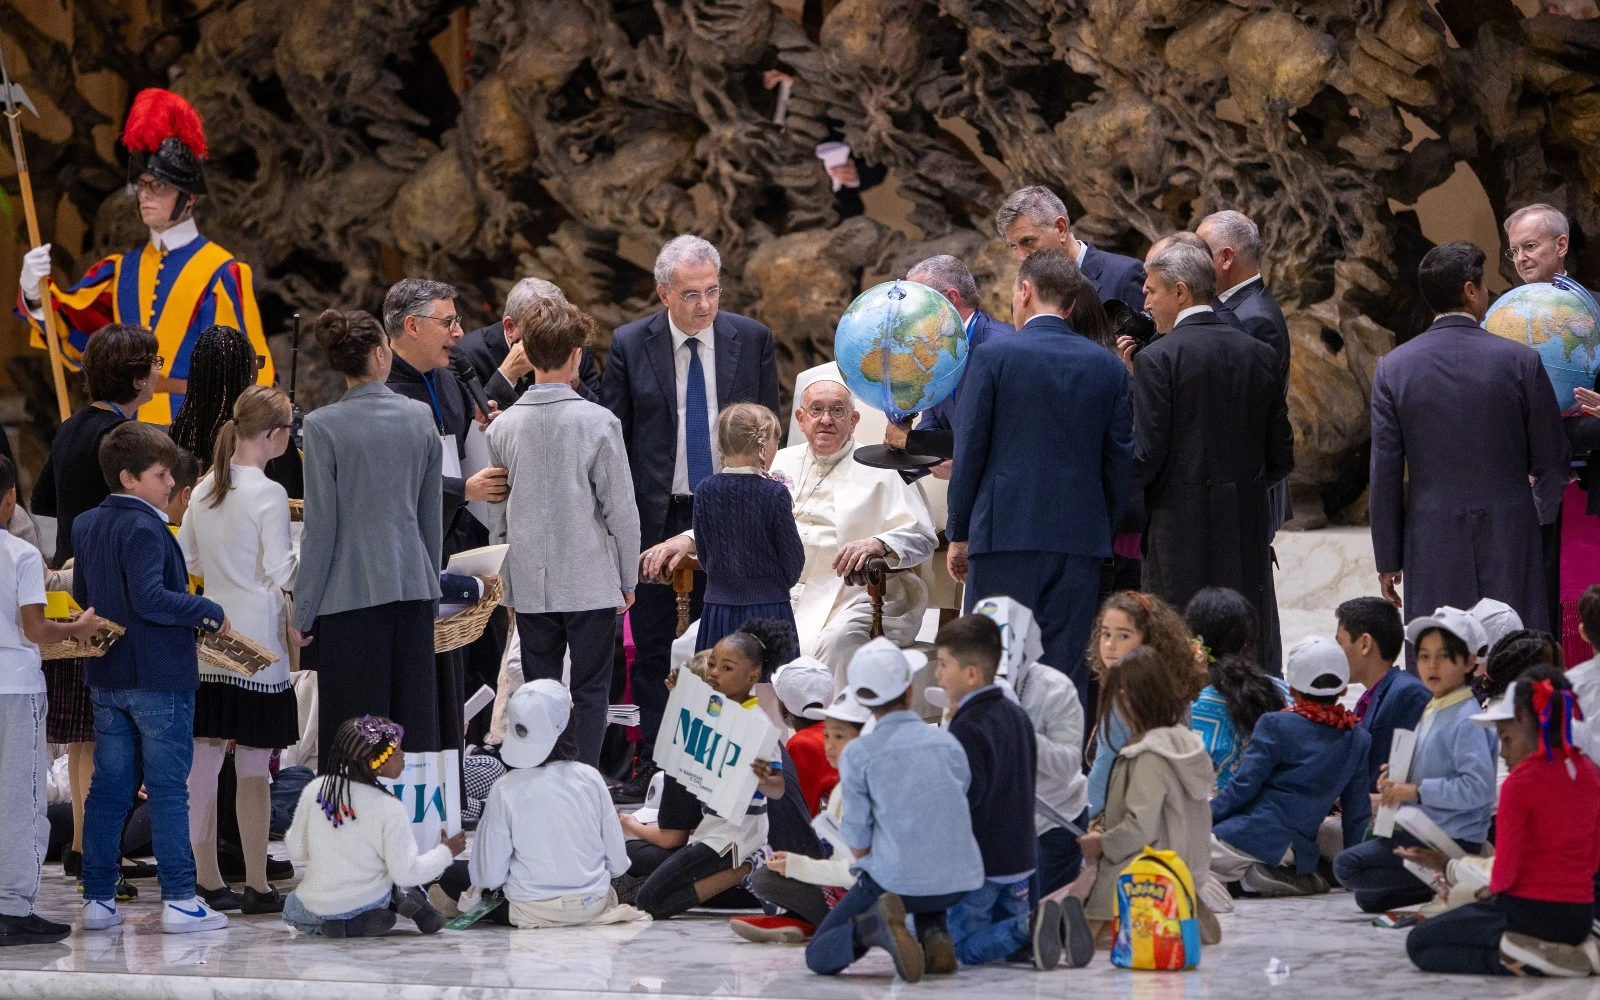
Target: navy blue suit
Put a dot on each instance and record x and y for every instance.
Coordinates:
(1043, 469)
(1114, 276)
(1259, 315)
(640, 386)
(130, 570)
(936, 430)
(1397, 703)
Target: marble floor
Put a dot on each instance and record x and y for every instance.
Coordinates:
(1317, 571)
(1332, 952)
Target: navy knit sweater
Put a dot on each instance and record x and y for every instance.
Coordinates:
(745, 536)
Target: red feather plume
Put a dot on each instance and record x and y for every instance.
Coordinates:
(158, 115)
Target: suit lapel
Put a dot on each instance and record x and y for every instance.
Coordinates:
(1092, 264)
(658, 346)
(494, 339)
(728, 345)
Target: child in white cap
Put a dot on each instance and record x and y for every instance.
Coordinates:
(549, 838)
(1452, 777)
(1298, 763)
(805, 689)
(905, 820)
(1498, 619)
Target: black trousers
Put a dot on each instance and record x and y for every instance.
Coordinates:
(1467, 940)
(455, 881)
(669, 890)
(379, 661)
(591, 637)
(802, 899)
(655, 620)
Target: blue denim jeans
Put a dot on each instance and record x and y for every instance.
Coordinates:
(991, 922)
(835, 945)
(134, 730)
(303, 920)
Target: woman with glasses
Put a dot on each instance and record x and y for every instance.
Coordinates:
(236, 536)
(222, 365)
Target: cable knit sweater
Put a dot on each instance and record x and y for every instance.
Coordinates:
(349, 866)
(746, 539)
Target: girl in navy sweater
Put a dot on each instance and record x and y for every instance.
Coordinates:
(744, 529)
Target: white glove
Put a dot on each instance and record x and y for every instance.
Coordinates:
(35, 268)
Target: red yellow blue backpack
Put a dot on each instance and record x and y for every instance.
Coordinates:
(1157, 925)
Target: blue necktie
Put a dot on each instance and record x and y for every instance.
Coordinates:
(696, 427)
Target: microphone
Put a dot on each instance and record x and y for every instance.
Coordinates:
(469, 378)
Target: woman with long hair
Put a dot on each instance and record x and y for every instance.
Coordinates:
(222, 365)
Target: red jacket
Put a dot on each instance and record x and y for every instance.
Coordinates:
(817, 776)
(1545, 843)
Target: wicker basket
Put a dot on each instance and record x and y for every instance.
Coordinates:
(68, 649)
(236, 653)
(297, 510)
(464, 627)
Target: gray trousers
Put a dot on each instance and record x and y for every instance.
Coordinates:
(23, 827)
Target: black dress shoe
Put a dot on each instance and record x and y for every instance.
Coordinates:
(633, 790)
(230, 865)
(220, 899)
(414, 906)
(138, 869)
(31, 929)
(72, 863)
(262, 902)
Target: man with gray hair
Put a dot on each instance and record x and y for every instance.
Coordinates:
(1234, 242)
(1211, 432)
(1537, 238)
(666, 378)
(496, 355)
(1034, 219)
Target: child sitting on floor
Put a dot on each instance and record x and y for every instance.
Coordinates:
(549, 837)
(1536, 914)
(1236, 692)
(355, 840)
(1452, 769)
(805, 689)
(1159, 784)
(1297, 764)
(804, 888)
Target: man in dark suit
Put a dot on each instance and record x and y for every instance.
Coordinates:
(1212, 433)
(1043, 466)
(666, 378)
(495, 351)
(935, 430)
(1462, 421)
(1034, 219)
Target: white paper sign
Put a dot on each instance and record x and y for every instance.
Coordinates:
(1401, 749)
(707, 743)
(429, 787)
(477, 459)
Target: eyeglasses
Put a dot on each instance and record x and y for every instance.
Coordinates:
(450, 322)
(838, 411)
(711, 294)
(153, 186)
(149, 360)
(1529, 249)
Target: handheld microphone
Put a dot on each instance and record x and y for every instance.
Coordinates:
(469, 378)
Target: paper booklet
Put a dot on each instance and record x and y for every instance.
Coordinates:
(485, 561)
(1401, 751)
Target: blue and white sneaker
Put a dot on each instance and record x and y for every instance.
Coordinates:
(187, 916)
(98, 914)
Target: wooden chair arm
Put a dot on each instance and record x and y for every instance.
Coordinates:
(682, 587)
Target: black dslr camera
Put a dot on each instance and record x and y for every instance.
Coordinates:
(1127, 321)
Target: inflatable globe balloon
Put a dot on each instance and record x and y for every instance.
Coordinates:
(1559, 321)
(901, 347)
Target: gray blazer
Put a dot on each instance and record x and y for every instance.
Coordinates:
(374, 529)
(570, 518)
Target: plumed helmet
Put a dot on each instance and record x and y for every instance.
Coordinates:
(165, 139)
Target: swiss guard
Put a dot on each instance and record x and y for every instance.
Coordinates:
(179, 283)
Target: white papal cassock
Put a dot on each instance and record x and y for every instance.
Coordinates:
(839, 500)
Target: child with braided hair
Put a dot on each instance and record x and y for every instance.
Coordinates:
(223, 364)
(362, 865)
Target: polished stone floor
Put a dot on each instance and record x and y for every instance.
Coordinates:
(1332, 952)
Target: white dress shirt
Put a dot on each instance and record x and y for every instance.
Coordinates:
(547, 832)
(1083, 251)
(1184, 314)
(181, 235)
(1236, 289)
(680, 364)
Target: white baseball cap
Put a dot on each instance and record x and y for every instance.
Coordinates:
(1497, 618)
(1313, 657)
(880, 672)
(845, 708)
(536, 716)
(650, 811)
(805, 686)
(1458, 623)
(1503, 709)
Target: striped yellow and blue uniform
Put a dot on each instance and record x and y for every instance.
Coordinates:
(174, 293)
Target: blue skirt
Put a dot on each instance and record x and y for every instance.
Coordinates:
(718, 620)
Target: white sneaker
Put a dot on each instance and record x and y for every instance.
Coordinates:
(98, 914)
(189, 916)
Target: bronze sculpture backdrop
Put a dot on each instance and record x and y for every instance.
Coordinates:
(592, 130)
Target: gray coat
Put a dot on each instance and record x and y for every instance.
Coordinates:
(570, 518)
(373, 505)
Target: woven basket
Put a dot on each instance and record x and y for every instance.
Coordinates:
(235, 653)
(68, 649)
(464, 627)
(297, 510)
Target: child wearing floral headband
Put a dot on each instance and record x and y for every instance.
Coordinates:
(362, 865)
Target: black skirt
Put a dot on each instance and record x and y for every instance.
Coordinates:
(224, 711)
(69, 713)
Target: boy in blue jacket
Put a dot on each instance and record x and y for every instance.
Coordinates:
(1299, 762)
(130, 569)
(998, 919)
(1372, 636)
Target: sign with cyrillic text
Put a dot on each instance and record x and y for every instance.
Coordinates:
(707, 743)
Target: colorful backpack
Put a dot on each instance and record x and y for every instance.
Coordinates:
(1157, 924)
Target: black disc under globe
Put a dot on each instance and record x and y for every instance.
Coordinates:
(884, 456)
